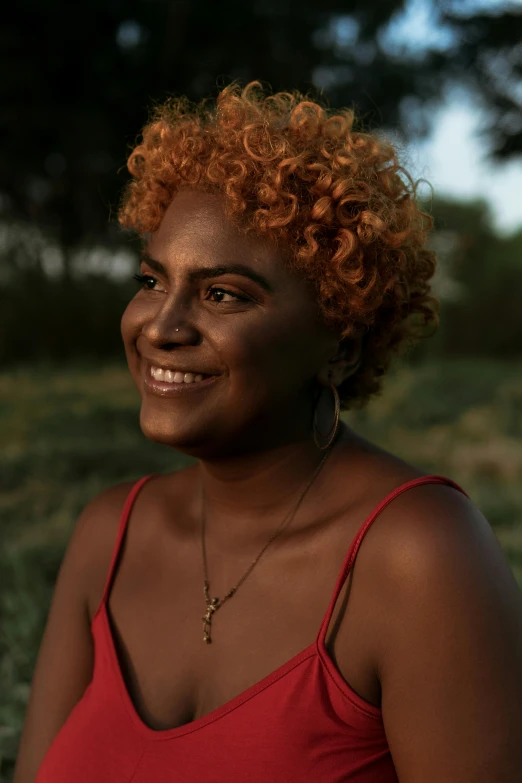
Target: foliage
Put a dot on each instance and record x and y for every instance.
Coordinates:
(487, 58)
(486, 319)
(44, 318)
(27, 584)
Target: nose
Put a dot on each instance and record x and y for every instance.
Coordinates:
(168, 326)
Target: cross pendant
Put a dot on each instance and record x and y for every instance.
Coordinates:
(207, 619)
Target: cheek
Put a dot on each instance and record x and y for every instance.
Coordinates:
(283, 353)
(130, 324)
(130, 329)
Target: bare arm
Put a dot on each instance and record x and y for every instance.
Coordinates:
(65, 661)
(450, 656)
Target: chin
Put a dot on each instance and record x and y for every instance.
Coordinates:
(164, 429)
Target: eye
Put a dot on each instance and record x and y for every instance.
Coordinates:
(148, 283)
(219, 291)
(144, 280)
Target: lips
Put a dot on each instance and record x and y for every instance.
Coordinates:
(165, 389)
(177, 368)
(170, 388)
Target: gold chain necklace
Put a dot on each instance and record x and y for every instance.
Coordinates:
(213, 604)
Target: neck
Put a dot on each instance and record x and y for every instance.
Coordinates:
(251, 493)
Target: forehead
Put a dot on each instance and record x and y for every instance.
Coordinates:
(195, 226)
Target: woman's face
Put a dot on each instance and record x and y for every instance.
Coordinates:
(256, 328)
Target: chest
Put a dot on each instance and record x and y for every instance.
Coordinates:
(156, 611)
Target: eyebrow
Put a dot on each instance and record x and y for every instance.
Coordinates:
(203, 273)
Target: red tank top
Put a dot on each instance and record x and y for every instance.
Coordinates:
(300, 724)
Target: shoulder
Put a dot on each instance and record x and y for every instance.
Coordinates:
(96, 526)
(432, 541)
(94, 537)
(427, 525)
(99, 522)
(449, 638)
(433, 527)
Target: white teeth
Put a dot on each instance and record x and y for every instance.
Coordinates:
(168, 376)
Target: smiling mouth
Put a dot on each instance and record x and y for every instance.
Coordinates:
(176, 376)
(155, 381)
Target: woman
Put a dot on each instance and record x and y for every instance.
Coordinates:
(214, 624)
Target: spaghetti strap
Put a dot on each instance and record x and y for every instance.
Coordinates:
(124, 518)
(354, 547)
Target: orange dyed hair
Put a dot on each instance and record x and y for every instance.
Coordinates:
(335, 200)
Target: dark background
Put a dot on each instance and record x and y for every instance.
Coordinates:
(78, 81)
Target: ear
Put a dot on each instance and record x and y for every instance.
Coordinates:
(346, 362)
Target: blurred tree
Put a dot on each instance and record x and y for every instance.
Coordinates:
(78, 80)
(485, 318)
(487, 58)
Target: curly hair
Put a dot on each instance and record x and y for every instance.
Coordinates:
(334, 198)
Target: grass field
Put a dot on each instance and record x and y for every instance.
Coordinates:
(67, 434)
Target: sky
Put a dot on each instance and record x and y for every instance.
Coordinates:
(454, 158)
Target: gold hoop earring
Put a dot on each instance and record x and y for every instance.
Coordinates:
(333, 428)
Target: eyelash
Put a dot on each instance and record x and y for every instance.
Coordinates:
(143, 278)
